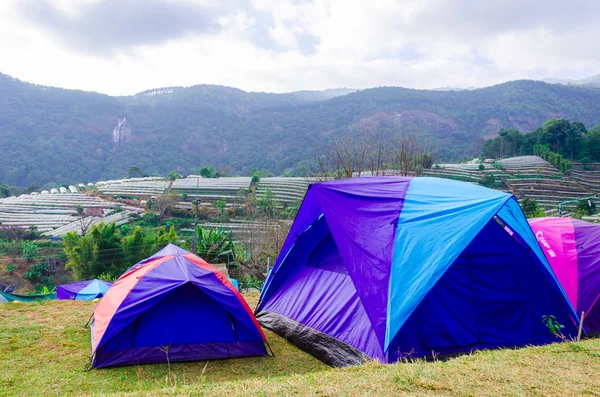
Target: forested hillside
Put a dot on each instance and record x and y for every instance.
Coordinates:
(64, 136)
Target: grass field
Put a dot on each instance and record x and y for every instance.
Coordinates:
(44, 348)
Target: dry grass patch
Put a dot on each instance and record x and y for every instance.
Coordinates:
(44, 348)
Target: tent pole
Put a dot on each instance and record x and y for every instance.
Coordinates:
(580, 326)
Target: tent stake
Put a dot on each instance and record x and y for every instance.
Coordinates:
(580, 327)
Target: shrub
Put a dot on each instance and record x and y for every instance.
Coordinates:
(11, 248)
(586, 207)
(107, 277)
(215, 245)
(481, 167)
(11, 268)
(488, 180)
(150, 218)
(11, 233)
(29, 250)
(255, 177)
(531, 209)
(37, 272)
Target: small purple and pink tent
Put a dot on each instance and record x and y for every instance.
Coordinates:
(83, 290)
(172, 307)
(573, 250)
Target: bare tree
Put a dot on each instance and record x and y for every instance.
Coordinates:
(165, 203)
(84, 222)
(375, 153)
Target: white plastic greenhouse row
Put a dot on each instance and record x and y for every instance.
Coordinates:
(127, 181)
(522, 160)
(119, 218)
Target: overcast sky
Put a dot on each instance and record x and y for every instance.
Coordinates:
(122, 47)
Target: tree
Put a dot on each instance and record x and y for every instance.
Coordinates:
(267, 204)
(95, 253)
(134, 172)
(4, 191)
(593, 143)
(165, 203)
(104, 250)
(531, 209)
(173, 175)
(220, 206)
(31, 188)
(207, 172)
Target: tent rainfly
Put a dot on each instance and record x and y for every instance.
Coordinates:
(391, 267)
(173, 306)
(573, 249)
(83, 290)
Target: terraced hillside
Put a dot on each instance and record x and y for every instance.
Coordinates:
(531, 177)
(284, 190)
(231, 189)
(588, 175)
(134, 187)
(55, 214)
(535, 178)
(465, 172)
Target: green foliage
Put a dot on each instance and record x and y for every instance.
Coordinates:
(150, 219)
(11, 268)
(207, 172)
(4, 191)
(556, 141)
(555, 159)
(553, 325)
(215, 245)
(107, 277)
(173, 175)
(248, 282)
(104, 250)
(255, 178)
(481, 167)
(29, 250)
(37, 273)
(531, 209)
(134, 172)
(220, 206)
(586, 207)
(488, 180)
(267, 204)
(246, 130)
(424, 161)
(12, 248)
(290, 211)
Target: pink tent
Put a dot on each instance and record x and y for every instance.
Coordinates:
(573, 250)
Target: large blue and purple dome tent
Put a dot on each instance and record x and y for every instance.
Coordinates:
(387, 267)
(173, 306)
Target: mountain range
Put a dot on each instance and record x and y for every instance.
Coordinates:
(592, 81)
(51, 135)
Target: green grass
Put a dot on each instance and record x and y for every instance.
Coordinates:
(44, 349)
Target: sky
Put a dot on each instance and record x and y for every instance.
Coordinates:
(121, 47)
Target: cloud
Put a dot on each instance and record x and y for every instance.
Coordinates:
(110, 25)
(285, 45)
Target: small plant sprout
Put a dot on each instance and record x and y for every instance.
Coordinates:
(165, 349)
(553, 325)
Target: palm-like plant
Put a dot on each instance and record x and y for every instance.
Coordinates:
(215, 245)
